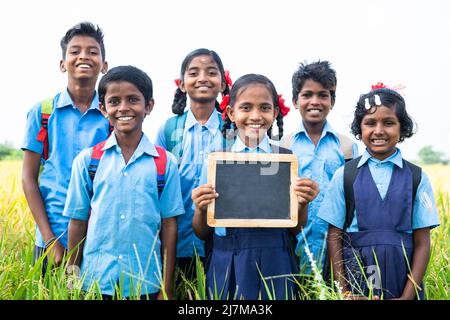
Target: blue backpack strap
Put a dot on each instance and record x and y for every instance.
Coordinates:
(350, 172)
(417, 177)
(173, 132)
(161, 164)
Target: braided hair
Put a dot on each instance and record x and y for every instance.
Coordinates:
(242, 83)
(179, 100)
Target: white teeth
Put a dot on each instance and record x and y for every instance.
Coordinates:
(124, 118)
(255, 126)
(378, 141)
(314, 110)
(84, 66)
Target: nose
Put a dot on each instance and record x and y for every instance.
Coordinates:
(202, 77)
(255, 114)
(123, 106)
(379, 129)
(315, 99)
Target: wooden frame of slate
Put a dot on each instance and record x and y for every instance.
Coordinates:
(255, 190)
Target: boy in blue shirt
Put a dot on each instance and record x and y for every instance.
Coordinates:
(132, 229)
(320, 150)
(74, 122)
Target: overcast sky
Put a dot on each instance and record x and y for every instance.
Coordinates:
(396, 42)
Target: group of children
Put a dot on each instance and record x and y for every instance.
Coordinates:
(130, 212)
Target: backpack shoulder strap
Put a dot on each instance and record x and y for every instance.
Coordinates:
(286, 140)
(161, 164)
(280, 150)
(173, 132)
(350, 173)
(46, 111)
(97, 153)
(346, 146)
(417, 177)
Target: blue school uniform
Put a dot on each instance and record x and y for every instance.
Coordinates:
(317, 163)
(239, 255)
(384, 219)
(69, 132)
(198, 141)
(122, 245)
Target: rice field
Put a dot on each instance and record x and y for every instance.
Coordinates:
(19, 279)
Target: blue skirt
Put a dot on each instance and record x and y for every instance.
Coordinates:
(252, 263)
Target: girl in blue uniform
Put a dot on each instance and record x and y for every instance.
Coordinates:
(381, 247)
(241, 257)
(190, 135)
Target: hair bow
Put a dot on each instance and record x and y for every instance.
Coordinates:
(223, 106)
(379, 85)
(228, 78)
(283, 108)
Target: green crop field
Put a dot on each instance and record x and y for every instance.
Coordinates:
(19, 279)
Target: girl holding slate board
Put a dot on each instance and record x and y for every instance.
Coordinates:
(251, 263)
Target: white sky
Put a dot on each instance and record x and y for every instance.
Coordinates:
(396, 42)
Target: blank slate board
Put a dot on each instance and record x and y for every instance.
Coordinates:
(255, 190)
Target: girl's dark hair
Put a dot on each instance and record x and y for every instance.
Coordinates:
(179, 101)
(319, 71)
(128, 74)
(240, 85)
(389, 98)
(83, 29)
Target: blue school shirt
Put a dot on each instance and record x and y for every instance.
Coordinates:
(122, 245)
(69, 132)
(198, 141)
(238, 146)
(318, 163)
(424, 208)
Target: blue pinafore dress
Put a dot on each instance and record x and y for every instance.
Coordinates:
(379, 255)
(244, 257)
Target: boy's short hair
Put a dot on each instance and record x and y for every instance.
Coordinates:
(83, 29)
(128, 74)
(319, 71)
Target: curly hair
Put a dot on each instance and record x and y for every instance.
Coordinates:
(390, 99)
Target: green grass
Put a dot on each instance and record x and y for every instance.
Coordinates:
(19, 279)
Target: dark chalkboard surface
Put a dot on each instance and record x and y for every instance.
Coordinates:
(254, 190)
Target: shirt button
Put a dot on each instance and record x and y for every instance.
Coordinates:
(201, 152)
(122, 217)
(120, 256)
(125, 173)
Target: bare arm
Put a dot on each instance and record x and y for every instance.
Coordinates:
(421, 256)
(306, 191)
(334, 242)
(202, 197)
(169, 232)
(77, 235)
(30, 185)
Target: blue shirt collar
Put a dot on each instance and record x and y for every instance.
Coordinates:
(65, 100)
(144, 146)
(396, 158)
(212, 124)
(326, 129)
(239, 146)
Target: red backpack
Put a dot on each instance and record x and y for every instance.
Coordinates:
(160, 162)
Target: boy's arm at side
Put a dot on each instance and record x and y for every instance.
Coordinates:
(77, 235)
(169, 231)
(30, 185)
(334, 254)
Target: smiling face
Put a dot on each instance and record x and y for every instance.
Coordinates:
(380, 132)
(253, 113)
(202, 80)
(314, 103)
(83, 59)
(125, 107)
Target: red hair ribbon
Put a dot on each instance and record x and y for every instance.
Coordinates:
(283, 108)
(228, 79)
(379, 85)
(223, 106)
(177, 82)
